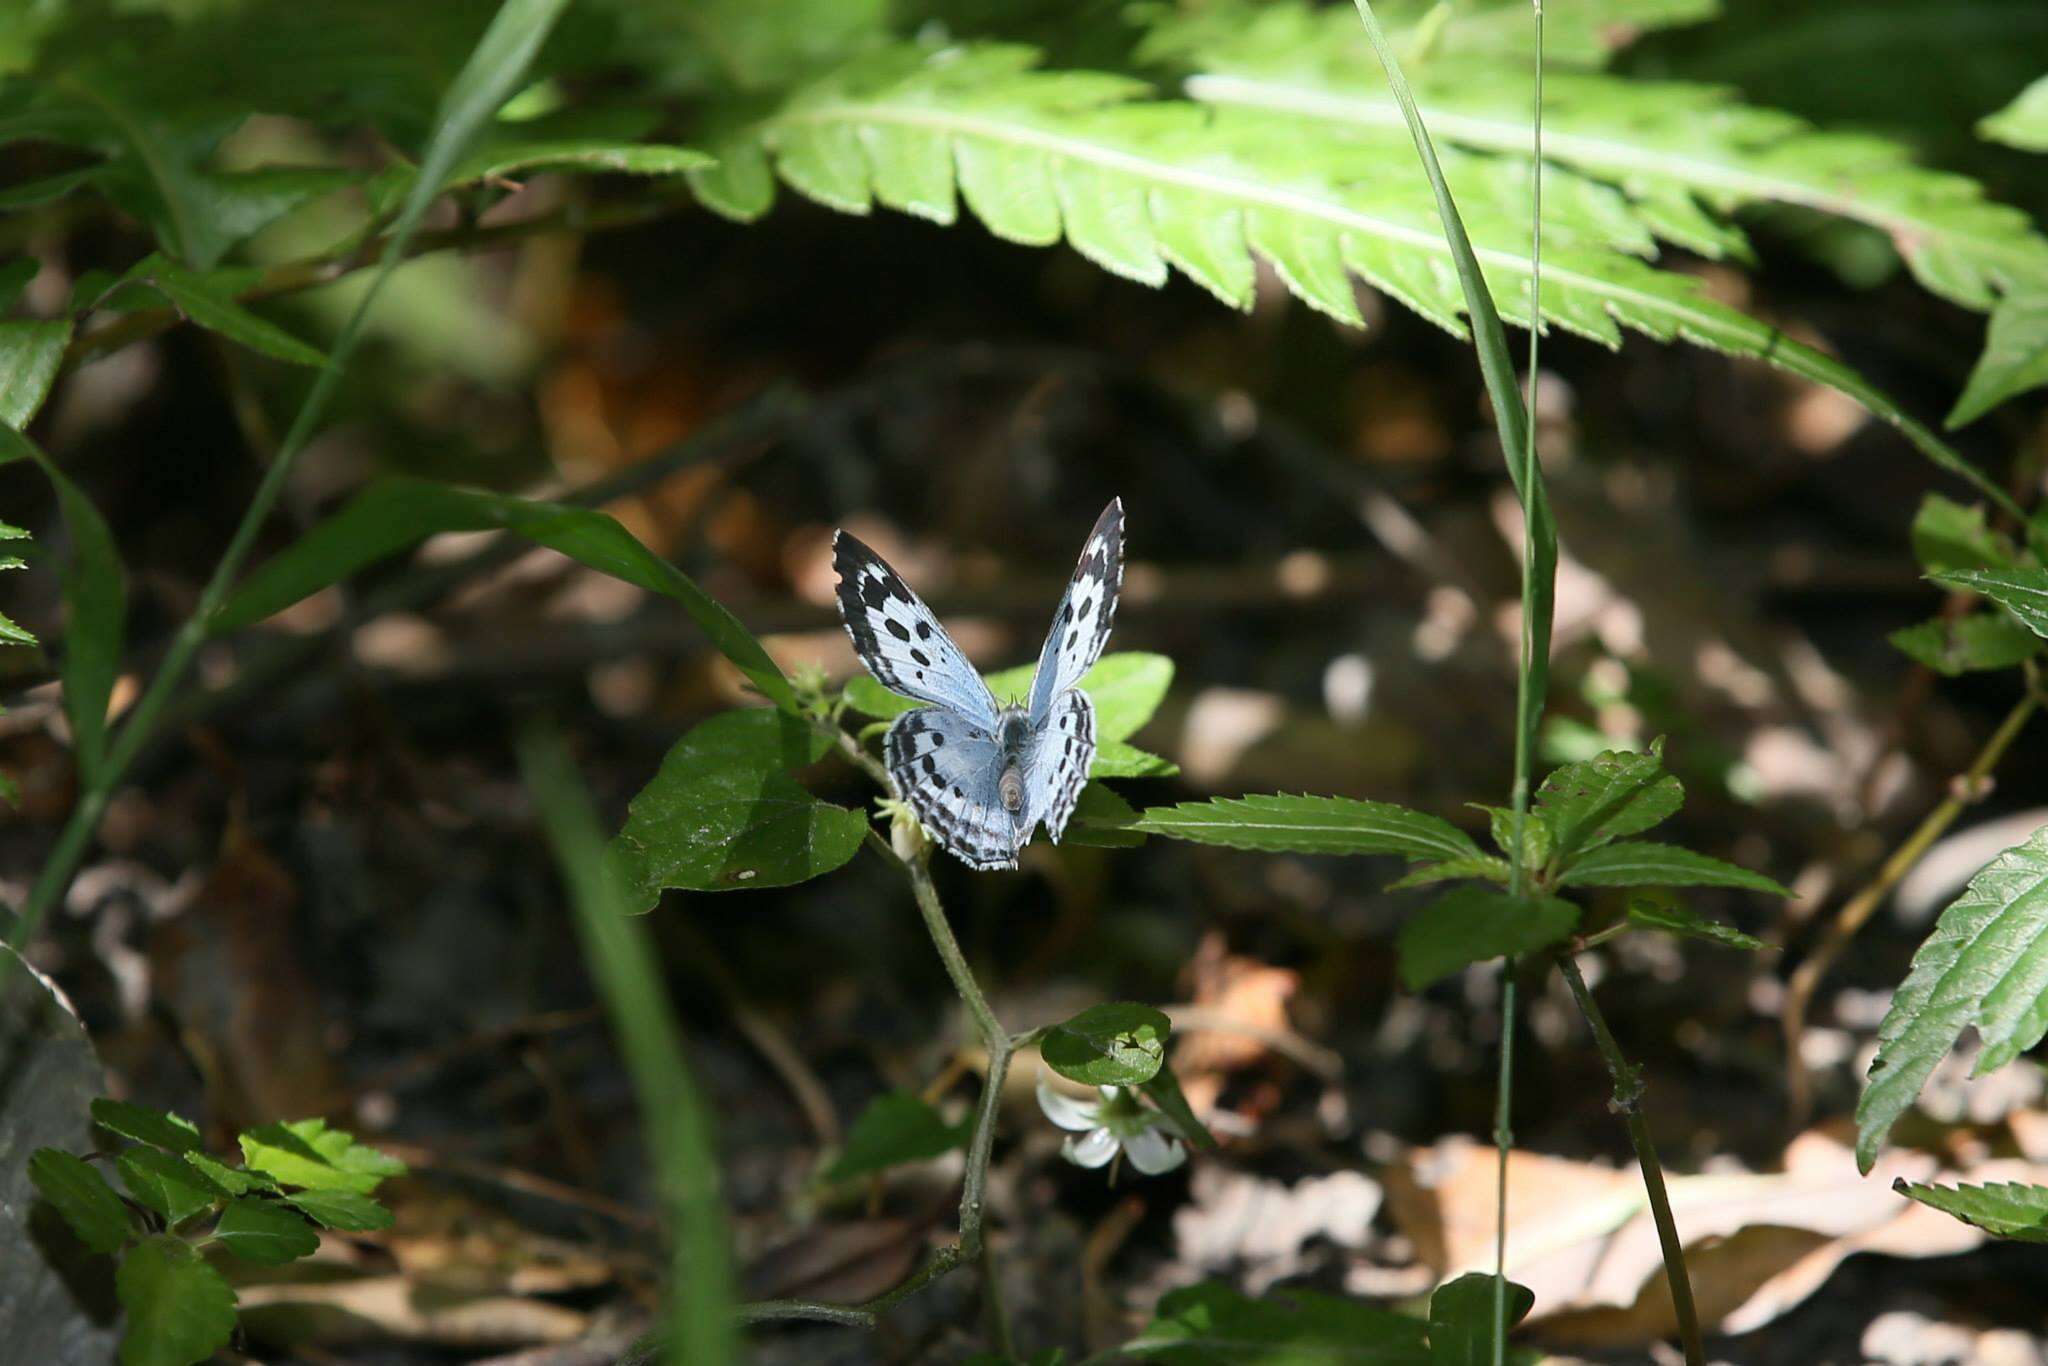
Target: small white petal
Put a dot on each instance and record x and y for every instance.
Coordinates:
(1069, 1112)
(1152, 1153)
(1092, 1150)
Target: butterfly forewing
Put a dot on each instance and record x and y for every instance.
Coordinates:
(1060, 759)
(950, 771)
(1080, 628)
(900, 640)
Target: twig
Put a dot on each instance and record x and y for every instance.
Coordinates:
(1628, 1095)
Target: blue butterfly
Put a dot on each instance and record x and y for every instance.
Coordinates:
(982, 777)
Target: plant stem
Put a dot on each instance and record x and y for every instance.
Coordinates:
(1806, 979)
(1628, 1095)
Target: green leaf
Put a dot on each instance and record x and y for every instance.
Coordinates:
(158, 1128)
(216, 310)
(1126, 687)
(1103, 820)
(16, 276)
(1473, 924)
(1163, 1090)
(169, 1185)
(1118, 1043)
(895, 1129)
(723, 814)
(2005, 1209)
(1950, 535)
(1985, 965)
(344, 1210)
(2015, 355)
(1680, 920)
(1311, 825)
(2022, 592)
(1486, 866)
(31, 352)
(1116, 759)
(82, 1196)
(233, 1180)
(1500, 824)
(305, 1152)
(1213, 1325)
(2023, 123)
(1640, 863)
(265, 1232)
(1461, 1320)
(180, 1311)
(1952, 646)
(393, 514)
(588, 139)
(1607, 797)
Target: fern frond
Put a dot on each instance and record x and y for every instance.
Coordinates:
(1142, 186)
(1686, 155)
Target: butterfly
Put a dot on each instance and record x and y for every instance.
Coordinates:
(982, 777)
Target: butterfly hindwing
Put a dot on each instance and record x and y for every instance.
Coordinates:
(1080, 628)
(950, 771)
(1061, 754)
(900, 640)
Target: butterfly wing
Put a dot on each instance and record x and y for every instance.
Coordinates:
(1080, 628)
(950, 771)
(900, 640)
(1061, 755)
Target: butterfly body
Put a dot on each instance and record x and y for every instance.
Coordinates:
(982, 777)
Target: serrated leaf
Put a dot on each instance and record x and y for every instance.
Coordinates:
(1684, 921)
(2015, 357)
(2023, 123)
(1952, 646)
(1103, 820)
(1500, 825)
(723, 814)
(2003, 1208)
(1311, 825)
(1164, 1091)
(265, 1232)
(167, 1184)
(343, 1210)
(1473, 924)
(393, 514)
(233, 1180)
(1485, 867)
(1461, 1321)
(216, 310)
(2022, 592)
(1950, 535)
(1607, 797)
(305, 1152)
(1985, 965)
(158, 1128)
(31, 352)
(82, 1196)
(179, 1309)
(1642, 863)
(1213, 1325)
(1118, 1043)
(894, 1129)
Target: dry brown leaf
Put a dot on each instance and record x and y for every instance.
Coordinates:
(397, 1307)
(838, 1263)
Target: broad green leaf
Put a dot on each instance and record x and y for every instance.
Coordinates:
(233, 1180)
(82, 1196)
(179, 1309)
(2023, 123)
(1640, 863)
(265, 1232)
(1681, 920)
(1311, 825)
(1461, 1321)
(158, 1128)
(1985, 965)
(1126, 687)
(723, 814)
(217, 311)
(1950, 535)
(1117, 759)
(1607, 797)
(344, 1210)
(1500, 824)
(1485, 867)
(895, 1129)
(1473, 924)
(2022, 591)
(305, 1152)
(30, 353)
(1952, 646)
(1163, 1090)
(2015, 355)
(169, 1185)
(1103, 820)
(1213, 1325)
(95, 606)
(2003, 1208)
(1118, 1043)
(393, 514)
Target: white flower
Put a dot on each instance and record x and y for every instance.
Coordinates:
(1117, 1121)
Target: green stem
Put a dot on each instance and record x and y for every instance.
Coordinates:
(1628, 1095)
